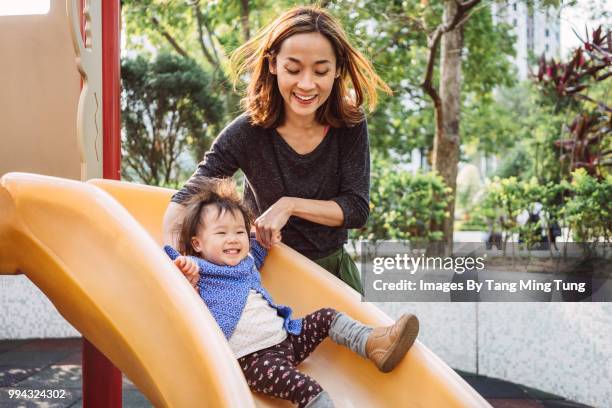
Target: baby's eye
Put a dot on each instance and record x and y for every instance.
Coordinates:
(242, 232)
(220, 233)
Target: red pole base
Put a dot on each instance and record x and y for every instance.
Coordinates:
(101, 379)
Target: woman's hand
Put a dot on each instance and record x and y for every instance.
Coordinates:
(270, 223)
(189, 268)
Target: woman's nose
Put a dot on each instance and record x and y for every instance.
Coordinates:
(306, 83)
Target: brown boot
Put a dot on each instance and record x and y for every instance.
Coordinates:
(386, 346)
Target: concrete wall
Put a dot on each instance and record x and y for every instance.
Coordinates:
(28, 313)
(562, 348)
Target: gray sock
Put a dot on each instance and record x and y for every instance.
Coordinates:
(322, 400)
(350, 333)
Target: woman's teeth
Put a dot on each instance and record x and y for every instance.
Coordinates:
(304, 98)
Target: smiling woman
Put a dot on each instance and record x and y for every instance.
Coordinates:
(302, 141)
(24, 7)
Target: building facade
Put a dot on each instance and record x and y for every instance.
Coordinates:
(537, 29)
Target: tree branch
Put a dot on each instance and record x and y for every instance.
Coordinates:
(464, 12)
(212, 43)
(168, 37)
(200, 22)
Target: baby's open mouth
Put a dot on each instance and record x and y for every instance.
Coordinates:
(232, 251)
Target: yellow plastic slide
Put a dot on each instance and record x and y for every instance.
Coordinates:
(99, 261)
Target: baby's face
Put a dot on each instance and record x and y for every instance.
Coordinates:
(224, 239)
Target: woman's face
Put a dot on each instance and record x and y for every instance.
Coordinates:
(305, 68)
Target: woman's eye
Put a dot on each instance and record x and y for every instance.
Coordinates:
(241, 232)
(290, 72)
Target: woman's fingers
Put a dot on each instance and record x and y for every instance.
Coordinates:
(263, 237)
(264, 233)
(270, 223)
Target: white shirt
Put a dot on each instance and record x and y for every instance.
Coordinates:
(259, 327)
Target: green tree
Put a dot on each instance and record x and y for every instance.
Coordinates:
(204, 31)
(166, 107)
(405, 40)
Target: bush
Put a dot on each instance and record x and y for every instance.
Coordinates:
(506, 199)
(584, 205)
(588, 211)
(405, 206)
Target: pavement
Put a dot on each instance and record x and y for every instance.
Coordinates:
(54, 366)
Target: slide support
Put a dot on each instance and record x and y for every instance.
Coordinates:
(101, 379)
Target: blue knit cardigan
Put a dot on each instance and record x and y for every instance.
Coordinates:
(225, 289)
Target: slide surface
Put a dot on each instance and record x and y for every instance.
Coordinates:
(94, 249)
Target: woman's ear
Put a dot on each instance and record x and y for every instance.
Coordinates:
(272, 65)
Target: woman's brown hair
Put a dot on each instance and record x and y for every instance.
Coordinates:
(263, 101)
(219, 193)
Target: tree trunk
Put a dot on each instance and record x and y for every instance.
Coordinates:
(447, 139)
(246, 30)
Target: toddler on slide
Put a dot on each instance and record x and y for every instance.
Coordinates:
(267, 342)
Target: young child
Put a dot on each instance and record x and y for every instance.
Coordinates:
(267, 342)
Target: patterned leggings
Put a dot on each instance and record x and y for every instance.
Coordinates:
(272, 371)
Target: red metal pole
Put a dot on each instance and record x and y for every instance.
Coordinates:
(101, 379)
(111, 83)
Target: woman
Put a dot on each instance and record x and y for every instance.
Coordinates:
(302, 141)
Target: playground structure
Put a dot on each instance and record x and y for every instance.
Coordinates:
(94, 248)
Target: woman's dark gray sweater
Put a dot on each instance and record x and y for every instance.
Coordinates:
(338, 169)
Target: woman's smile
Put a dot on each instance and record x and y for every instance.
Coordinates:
(304, 99)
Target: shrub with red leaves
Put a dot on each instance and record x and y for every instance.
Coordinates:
(588, 143)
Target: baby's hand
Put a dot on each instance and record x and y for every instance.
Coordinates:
(190, 269)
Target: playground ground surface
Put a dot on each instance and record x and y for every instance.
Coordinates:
(55, 364)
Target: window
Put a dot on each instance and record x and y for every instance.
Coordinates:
(514, 22)
(546, 32)
(24, 7)
(514, 6)
(546, 47)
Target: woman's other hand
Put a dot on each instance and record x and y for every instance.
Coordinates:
(270, 223)
(189, 268)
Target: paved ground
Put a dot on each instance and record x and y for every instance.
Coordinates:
(55, 364)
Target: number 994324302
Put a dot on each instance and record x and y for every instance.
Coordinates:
(30, 394)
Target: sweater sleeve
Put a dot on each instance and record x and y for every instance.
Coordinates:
(259, 253)
(354, 195)
(222, 160)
